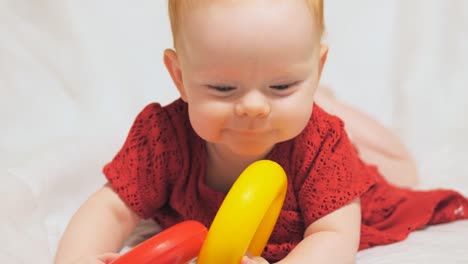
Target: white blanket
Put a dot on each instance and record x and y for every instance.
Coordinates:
(73, 75)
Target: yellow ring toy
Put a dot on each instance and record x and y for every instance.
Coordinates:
(247, 216)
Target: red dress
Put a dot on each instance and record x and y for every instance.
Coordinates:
(160, 170)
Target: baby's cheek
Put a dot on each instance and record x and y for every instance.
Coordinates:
(292, 124)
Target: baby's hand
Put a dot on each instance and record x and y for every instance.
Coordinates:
(253, 260)
(108, 258)
(101, 259)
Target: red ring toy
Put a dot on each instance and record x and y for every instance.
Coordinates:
(176, 245)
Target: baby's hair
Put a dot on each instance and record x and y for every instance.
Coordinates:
(177, 7)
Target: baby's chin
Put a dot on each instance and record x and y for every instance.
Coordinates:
(237, 152)
(252, 152)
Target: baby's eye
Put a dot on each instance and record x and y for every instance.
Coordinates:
(222, 88)
(281, 87)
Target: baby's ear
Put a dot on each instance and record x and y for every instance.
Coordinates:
(323, 58)
(171, 61)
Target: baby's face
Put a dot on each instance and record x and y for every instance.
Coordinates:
(249, 71)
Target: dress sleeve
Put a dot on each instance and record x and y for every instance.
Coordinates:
(140, 173)
(330, 174)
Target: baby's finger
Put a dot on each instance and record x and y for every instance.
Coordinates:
(108, 257)
(253, 260)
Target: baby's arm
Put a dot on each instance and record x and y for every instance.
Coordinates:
(332, 239)
(101, 225)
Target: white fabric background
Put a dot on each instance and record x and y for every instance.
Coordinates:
(73, 75)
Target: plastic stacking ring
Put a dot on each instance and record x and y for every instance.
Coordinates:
(247, 215)
(178, 244)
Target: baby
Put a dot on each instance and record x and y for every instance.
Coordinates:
(247, 72)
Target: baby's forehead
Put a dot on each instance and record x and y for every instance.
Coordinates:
(180, 10)
(290, 9)
(250, 26)
(187, 5)
(248, 13)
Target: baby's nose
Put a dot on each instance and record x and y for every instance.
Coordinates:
(253, 105)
